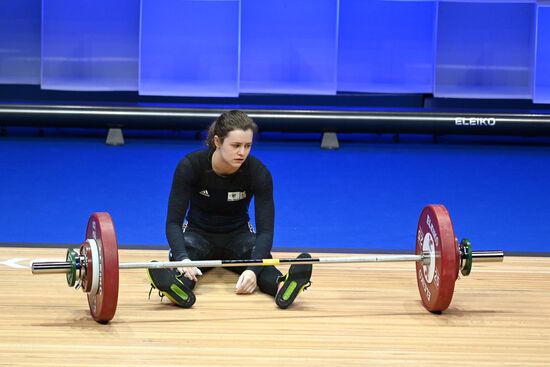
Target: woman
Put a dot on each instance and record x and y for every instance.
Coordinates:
(214, 187)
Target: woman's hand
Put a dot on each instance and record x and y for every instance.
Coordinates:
(190, 273)
(246, 283)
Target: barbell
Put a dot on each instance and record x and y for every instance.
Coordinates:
(439, 258)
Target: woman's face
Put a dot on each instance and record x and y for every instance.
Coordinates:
(235, 147)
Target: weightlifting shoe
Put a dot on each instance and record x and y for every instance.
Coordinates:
(295, 281)
(169, 284)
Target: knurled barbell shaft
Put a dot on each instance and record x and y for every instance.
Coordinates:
(267, 262)
(62, 267)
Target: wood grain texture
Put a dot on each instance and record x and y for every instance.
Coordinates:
(353, 315)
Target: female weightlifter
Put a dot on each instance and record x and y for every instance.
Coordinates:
(208, 217)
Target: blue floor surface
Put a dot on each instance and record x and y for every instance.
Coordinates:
(365, 196)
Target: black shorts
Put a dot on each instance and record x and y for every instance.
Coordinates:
(235, 245)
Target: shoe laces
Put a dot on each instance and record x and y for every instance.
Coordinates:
(160, 294)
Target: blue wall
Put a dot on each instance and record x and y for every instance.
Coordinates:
(189, 48)
(485, 50)
(90, 45)
(386, 46)
(289, 46)
(542, 62)
(20, 42)
(465, 49)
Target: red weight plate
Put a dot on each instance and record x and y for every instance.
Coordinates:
(103, 303)
(436, 281)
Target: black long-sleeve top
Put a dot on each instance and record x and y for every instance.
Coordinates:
(220, 204)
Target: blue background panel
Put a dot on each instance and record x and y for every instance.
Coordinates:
(485, 50)
(90, 45)
(289, 46)
(386, 46)
(189, 48)
(20, 41)
(541, 92)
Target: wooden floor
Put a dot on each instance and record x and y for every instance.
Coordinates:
(353, 315)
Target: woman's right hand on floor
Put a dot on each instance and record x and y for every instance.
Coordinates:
(191, 272)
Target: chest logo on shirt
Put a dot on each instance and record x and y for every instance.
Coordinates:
(236, 196)
(205, 193)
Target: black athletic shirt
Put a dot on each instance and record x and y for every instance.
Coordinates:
(220, 204)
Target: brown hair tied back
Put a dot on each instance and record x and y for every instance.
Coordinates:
(227, 122)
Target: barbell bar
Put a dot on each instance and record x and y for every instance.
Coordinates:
(65, 266)
(439, 258)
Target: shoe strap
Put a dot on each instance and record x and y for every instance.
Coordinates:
(282, 278)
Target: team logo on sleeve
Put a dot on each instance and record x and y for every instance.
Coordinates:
(236, 196)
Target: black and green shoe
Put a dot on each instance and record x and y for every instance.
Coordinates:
(295, 281)
(169, 284)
